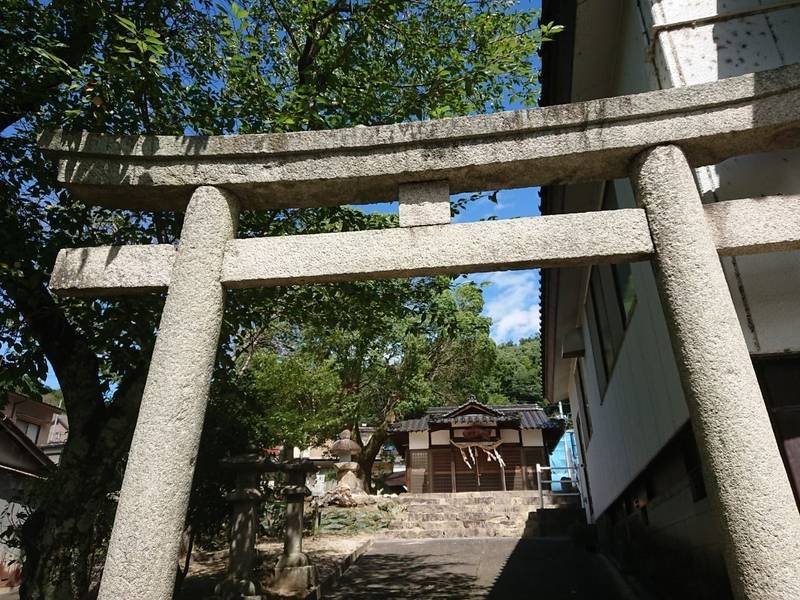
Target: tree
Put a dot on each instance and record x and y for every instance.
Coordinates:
(171, 67)
(517, 374)
(388, 362)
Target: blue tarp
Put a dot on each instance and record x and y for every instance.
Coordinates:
(558, 460)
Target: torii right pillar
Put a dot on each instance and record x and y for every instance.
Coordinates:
(747, 481)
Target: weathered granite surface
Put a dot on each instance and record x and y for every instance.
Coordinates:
(425, 203)
(560, 144)
(150, 517)
(747, 482)
(571, 239)
(124, 269)
(738, 227)
(753, 225)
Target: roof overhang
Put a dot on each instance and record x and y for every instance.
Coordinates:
(574, 67)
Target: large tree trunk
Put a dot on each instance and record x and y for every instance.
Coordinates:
(75, 506)
(60, 539)
(369, 452)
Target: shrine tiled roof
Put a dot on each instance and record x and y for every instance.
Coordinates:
(524, 416)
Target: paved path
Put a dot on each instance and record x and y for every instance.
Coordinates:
(477, 568)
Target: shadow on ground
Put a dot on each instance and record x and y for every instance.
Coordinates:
(478, 568)
(389, 575)
(556, 570)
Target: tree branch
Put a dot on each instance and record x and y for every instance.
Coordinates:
(74, 362)
(285, 26)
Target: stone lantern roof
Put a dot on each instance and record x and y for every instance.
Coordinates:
(345, 444)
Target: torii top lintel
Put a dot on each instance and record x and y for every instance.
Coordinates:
(584, 141)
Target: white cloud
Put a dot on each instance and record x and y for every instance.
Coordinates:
(512, 302)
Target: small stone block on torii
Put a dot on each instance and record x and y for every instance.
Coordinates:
(424, 203)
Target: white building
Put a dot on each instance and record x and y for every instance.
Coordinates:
(606, 344)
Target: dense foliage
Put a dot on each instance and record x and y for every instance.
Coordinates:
(517, 374)
(197, 66)
(315, 379)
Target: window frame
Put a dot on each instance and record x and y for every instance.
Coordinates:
(587, 417)
(27, 428)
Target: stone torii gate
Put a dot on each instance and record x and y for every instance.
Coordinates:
(654, 138)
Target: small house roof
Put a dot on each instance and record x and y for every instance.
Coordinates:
(472, 406)
(472, 412)
(18, 453)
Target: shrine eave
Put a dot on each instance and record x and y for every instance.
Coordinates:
(522, 416)
(585, 141)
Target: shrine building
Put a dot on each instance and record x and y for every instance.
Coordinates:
(475, 447)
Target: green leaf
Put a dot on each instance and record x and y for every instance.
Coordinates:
(126, 23)
(238, 11)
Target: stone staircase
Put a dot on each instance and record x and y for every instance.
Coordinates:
(466, 514)
(554, 521)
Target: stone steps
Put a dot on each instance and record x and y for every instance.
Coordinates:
(453, 532)
(463, 517)
(469, 514)
(454, 520)
(553, 522)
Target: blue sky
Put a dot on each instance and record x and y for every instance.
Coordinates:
(511, 297)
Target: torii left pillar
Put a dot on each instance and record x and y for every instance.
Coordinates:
(143, 552)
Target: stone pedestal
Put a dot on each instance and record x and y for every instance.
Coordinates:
(239, 583)
(294, 576)
(293, 582)
(347, 475)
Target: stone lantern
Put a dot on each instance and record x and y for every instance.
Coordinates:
(244, 500)
(294, 575)
(347, 469)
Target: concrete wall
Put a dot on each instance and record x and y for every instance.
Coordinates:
(662, 525)
(747, 36)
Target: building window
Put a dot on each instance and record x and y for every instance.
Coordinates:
(609, 324)
(779, 378)
(584, 402)
(612, 298)
(626, 292)
(694, 470)
(596, 343)
(623, 280)
(30, 430)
